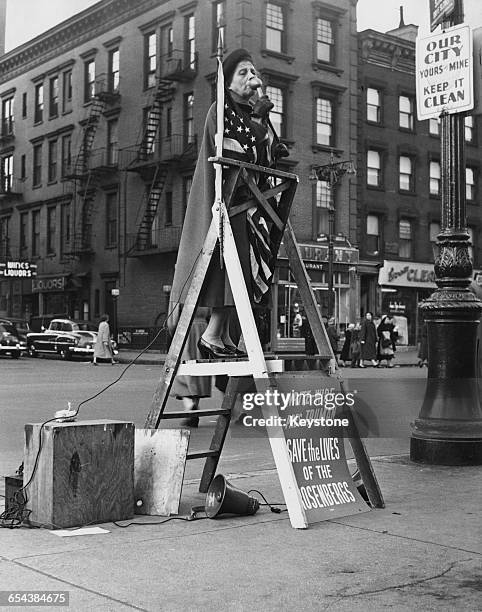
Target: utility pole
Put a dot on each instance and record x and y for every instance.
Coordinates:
(448, 430)
(331, 173)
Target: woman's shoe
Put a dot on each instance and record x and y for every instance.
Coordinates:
(211, 351)
(234, 351)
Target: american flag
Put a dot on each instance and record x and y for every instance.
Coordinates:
(238, 136)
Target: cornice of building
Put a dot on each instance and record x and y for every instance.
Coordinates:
(71, 33)
(386, 50)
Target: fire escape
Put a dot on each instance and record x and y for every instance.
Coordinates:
(87, 169)
(155, 158)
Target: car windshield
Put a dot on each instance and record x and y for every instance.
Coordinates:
(86, 327)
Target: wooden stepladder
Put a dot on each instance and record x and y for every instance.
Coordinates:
(275, 202)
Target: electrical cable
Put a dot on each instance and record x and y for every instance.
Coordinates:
(272, 506)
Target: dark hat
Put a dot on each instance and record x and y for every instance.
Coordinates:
(231, 61)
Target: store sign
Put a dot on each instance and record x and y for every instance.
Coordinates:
(440, 10)
(49, 284)
(18, 269)
(401, 274)
(444, 73)
(342, 255)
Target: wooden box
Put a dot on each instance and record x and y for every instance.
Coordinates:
(85, 472)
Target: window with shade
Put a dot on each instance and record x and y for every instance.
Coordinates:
(275, 28)
(435, 178)
(469, 128)
(374, 110)
(51, 230)
(52, 161)
(89, 80)
(113, 71)
(37, 165)
(405, 112)
(374, 169)
(39, 103)
(7, 173)
(65, 229)
(67, 91)
(113, 142)
(66, 154)
(470, 184)
(190, 41)
(35, 233)
(7, 117)
(405, 173)
(324, 122)
(323, 203)
(54, 96)
(404, 238)
(150, 59)
(373, 235)
(325, 40)
(276, 114)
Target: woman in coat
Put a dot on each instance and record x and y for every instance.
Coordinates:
(387, 337)
(103, 344)
(368, 340)
(345, 354)
(247, 137)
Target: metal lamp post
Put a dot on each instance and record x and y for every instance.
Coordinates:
(448, 430)
(331, 173)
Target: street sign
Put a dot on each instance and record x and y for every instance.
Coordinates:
(18, 269)
(440, 10)
(444, 69)
(115, 292)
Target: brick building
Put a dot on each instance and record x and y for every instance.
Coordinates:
(399, 185)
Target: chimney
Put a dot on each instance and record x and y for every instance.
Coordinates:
(3, 25)
(402, 23)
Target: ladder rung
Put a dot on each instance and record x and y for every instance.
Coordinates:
(186, 414)
(201, 454)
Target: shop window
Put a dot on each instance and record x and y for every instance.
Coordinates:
(39, 103)
(404, 239)
(469, 128)
(219, 24)
(54, 97)
(111, 220)
(323, 203)
(52, 161)
(406, 182)
(277, 114)
(35, 233)
(51, 230)
(89, 80)
(325, 40)
(374, 168)
(67, 91)
(374, 109)
(275, 28)
(113, 71)
(190, 41)
(434, 126)
(7, 117)
(470, 184)
(150, 59)
(435, 178)
(373, 235)
(324, 122)
(405, 112)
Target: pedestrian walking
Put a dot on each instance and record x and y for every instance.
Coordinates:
(368, 340)
(355, 346)
(387, 337)
(103, 345)
(345, 351)
(333, 336)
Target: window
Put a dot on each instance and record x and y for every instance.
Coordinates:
(23, 167)
(150, 59)
(405, 108)
(168, 122)
(151, 130)
(275, 25)
(39, 103)
(373, 234)
(51, 229)
(435, 178)
(190, 43)
(219, 24)
(66, 154)
(35, 233)
(65, 229)
(404, 238)
(7, 173)
(7, 117)
(323, 203)
(113, 84)
(67, 91)
(167, 41)
(373, 105)
(24, 105)
(54, 97)
(112, 142)
(406, 173)
(324, 122)
(111, 219)
(325, 41)
(470, 184)
(52, 161)
(434, 231)
(89, 80)
(469, 128)
(23, 243)
(434, 126)
(276, 115)
(374, 175)
(4, 237)
(188, 118)
(37, 165)
(168, 209)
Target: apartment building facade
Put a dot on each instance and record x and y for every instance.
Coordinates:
(399, 196)
(102, 118)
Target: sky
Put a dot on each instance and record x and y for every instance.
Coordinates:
(29, 18)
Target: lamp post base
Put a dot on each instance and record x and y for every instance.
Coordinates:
(446, 452)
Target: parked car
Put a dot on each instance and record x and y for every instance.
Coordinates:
(22, 328)
(9, 341)
(64, 337)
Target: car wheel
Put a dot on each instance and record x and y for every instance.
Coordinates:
(16, 355)
(31, 351)
(65, 354)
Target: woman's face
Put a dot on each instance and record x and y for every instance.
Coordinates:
(245, 80)
(369, 316)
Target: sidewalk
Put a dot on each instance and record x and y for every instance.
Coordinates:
(423, 551)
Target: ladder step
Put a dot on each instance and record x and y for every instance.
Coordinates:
(186, 414)
(201, 454)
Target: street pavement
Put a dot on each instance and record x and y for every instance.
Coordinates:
(422, 551)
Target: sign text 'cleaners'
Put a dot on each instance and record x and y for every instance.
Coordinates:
(444, 73)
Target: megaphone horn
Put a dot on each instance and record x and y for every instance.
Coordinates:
(223, 498)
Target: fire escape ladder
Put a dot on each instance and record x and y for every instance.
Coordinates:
(90, 128)
(143, 240)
